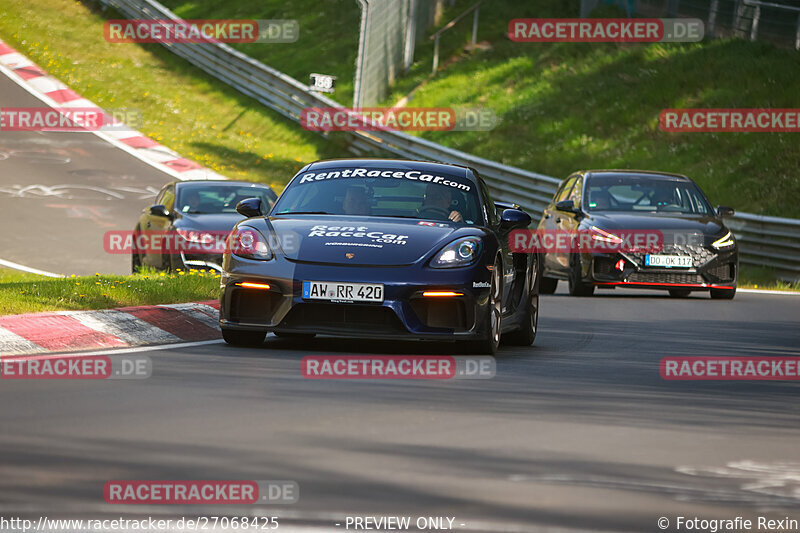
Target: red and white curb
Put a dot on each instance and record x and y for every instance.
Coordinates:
(52, 92)
(65, 331)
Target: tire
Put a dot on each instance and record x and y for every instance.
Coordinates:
(489, 344)
(547, 285)
(136, 259)
(526, 334)
(679, 293)
(287, 335)
(576, 285)
(723, 294)
(243, 338)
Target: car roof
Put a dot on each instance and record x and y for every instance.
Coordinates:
(652, 174)
(427, 166)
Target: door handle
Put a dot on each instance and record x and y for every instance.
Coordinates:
(148, 224)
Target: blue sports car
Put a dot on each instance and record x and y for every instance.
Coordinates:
(378, 248)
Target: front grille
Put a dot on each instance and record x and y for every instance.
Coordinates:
(348, 318)
(665, 277)
(700, 255)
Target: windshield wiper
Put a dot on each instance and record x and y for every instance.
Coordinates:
(303, 213)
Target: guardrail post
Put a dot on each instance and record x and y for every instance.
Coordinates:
(797, 35)
(435, 55)
(475, 27)
(712, 18)
(754, 27)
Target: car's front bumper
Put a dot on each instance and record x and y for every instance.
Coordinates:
(404, 314)
(714, 270)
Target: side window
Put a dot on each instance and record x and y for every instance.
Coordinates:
(167, 198)
(491, 211)
(576, 193)
(566, 188)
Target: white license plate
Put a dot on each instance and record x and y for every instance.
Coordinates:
(656, 260)
(334, 291)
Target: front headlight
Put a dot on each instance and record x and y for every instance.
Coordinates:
(604, 236)
(461, 252)
(249, 243)
(725, 241)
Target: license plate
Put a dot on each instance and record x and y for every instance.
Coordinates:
(655, 260)
(342, 292)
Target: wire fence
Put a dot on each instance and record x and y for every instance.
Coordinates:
(778, 22)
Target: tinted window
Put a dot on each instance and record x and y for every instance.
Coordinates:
(381, 192)
(566, 188)
(198, 198)
(641, 193)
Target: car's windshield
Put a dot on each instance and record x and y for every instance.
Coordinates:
(644, 194)
(198, 198)
(384, 193)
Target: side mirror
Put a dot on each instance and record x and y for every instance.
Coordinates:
(567, 206)
(249, 207)
(514, 218)
(725, 211)
(159, 211)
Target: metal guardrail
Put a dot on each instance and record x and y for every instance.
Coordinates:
(764, 241)
(757, 17)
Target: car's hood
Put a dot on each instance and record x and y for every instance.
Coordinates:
(669, 223)
(356, 240)
(210, 222)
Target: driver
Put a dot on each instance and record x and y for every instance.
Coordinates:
(663, 196)
(601, 200)
(191, 199)
(356, 202)
(437, 202)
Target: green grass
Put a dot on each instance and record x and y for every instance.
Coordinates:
(566, 107)
(183, 108)
(30, 293)
(328, 41)
(764, 278)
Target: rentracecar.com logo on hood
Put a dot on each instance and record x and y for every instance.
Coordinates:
(357, 232)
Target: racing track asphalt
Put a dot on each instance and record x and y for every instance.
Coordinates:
(578, 432)
(60, 192)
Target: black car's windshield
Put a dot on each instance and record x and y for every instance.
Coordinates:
(204, 199)
(384, 193)
(644, 194)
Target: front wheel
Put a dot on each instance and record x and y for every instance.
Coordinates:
(577, 287)
(489, 344)
(548, 285)
(243, 338)
(723, 294)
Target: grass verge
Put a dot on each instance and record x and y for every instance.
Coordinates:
(182, 107)
(29, 293)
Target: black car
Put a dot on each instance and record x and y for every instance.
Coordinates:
(379, 248)
(697, 253)
(190, 218)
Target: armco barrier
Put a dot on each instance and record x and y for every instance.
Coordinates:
(764, 241)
